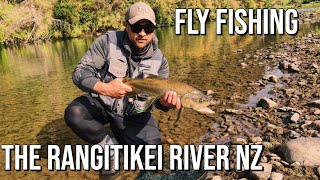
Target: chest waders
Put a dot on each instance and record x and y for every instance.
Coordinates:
(117, 66)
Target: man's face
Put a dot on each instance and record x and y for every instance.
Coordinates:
(142, 38)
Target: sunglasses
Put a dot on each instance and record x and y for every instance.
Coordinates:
(136, 28)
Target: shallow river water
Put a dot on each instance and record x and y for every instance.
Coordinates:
(36, 86)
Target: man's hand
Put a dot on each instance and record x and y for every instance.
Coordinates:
(115, 88)
(170, 99)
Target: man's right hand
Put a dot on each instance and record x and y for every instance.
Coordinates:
(115, 88)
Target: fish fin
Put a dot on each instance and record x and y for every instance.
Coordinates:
(179, 115)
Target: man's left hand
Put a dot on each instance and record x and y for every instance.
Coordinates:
(171, 100)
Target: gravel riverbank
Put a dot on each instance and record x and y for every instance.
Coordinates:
(283, 115)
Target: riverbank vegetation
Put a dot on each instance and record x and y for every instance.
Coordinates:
(26, 21)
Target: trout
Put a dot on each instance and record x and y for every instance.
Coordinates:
(156, 86)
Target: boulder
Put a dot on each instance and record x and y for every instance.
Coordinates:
(303, 150)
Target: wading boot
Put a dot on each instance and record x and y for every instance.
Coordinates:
(111, 173)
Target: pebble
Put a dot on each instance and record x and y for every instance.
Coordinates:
(316, 124)
(295, 164)
(210, 92)
(170, 141)
(265, 174)
(271, 56)
(276, 176)
(213, 127)
(288, 109)
(274, 128)
(293, 68)
(271, 78)
(243, 65)
(264, 159)
(216, 178)
(273, 155)
(211, 176)
(284, 65)
(232, 111)
(315, 103)
(267, 103)
(285, 163)
(312, 132)
(295, 117)
(275, 158)
(236, 140)
(294, 134)
(267, 144)
(256, 139)
(276, 163)
(317, 112)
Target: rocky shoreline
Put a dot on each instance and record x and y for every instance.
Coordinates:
(285, 119)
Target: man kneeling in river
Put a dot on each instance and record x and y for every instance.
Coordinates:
(117, 54)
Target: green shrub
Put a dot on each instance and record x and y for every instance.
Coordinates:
(66, 11)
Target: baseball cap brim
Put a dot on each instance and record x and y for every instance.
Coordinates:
(138, 18)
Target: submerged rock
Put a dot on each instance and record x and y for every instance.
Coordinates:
(295, 151)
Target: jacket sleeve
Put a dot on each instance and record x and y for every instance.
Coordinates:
(163, 72)
(85, 75)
